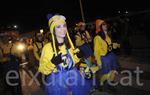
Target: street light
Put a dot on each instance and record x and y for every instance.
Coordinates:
(41, 31)
(15, 26)
(126, 12)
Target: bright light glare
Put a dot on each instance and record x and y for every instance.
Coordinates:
(41, 31)
(126, 12)
(15, 26)
(21, 47)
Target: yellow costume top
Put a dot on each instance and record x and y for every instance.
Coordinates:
(46, 66)
(79, 41)
(101, 46)
(37, 49)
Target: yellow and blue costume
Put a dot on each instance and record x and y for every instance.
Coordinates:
(62, 78)
(37, 50)
(82, 41)
(38, 45)
(102, 51)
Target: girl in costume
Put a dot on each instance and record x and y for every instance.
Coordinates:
(38, 45)
(103, 52)
(83, 40)
(58, 60)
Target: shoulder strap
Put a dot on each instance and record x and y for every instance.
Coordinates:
(37, 45)
(42, 44)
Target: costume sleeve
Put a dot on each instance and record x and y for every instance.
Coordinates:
(100, 48)
(109, 41)
(88, 36)
(35, 51)
(116, 45)
(78, 41)
(46, 66)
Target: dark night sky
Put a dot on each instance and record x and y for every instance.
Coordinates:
(31, 15)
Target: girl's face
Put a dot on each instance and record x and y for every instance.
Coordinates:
(104, 27)
(61, 30)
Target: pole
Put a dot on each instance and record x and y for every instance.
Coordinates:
(82, 13)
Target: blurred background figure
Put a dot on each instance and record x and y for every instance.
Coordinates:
(105, 58)
(83, 40)
(38, 45)
(10, 58)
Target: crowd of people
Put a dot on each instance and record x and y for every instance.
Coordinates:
(69, 64)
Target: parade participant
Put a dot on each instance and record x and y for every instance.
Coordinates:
(37, 50)
(10, 58)
(103, 52)
(38, 45)
(58, 61)
(83, 40)
(30, 57)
